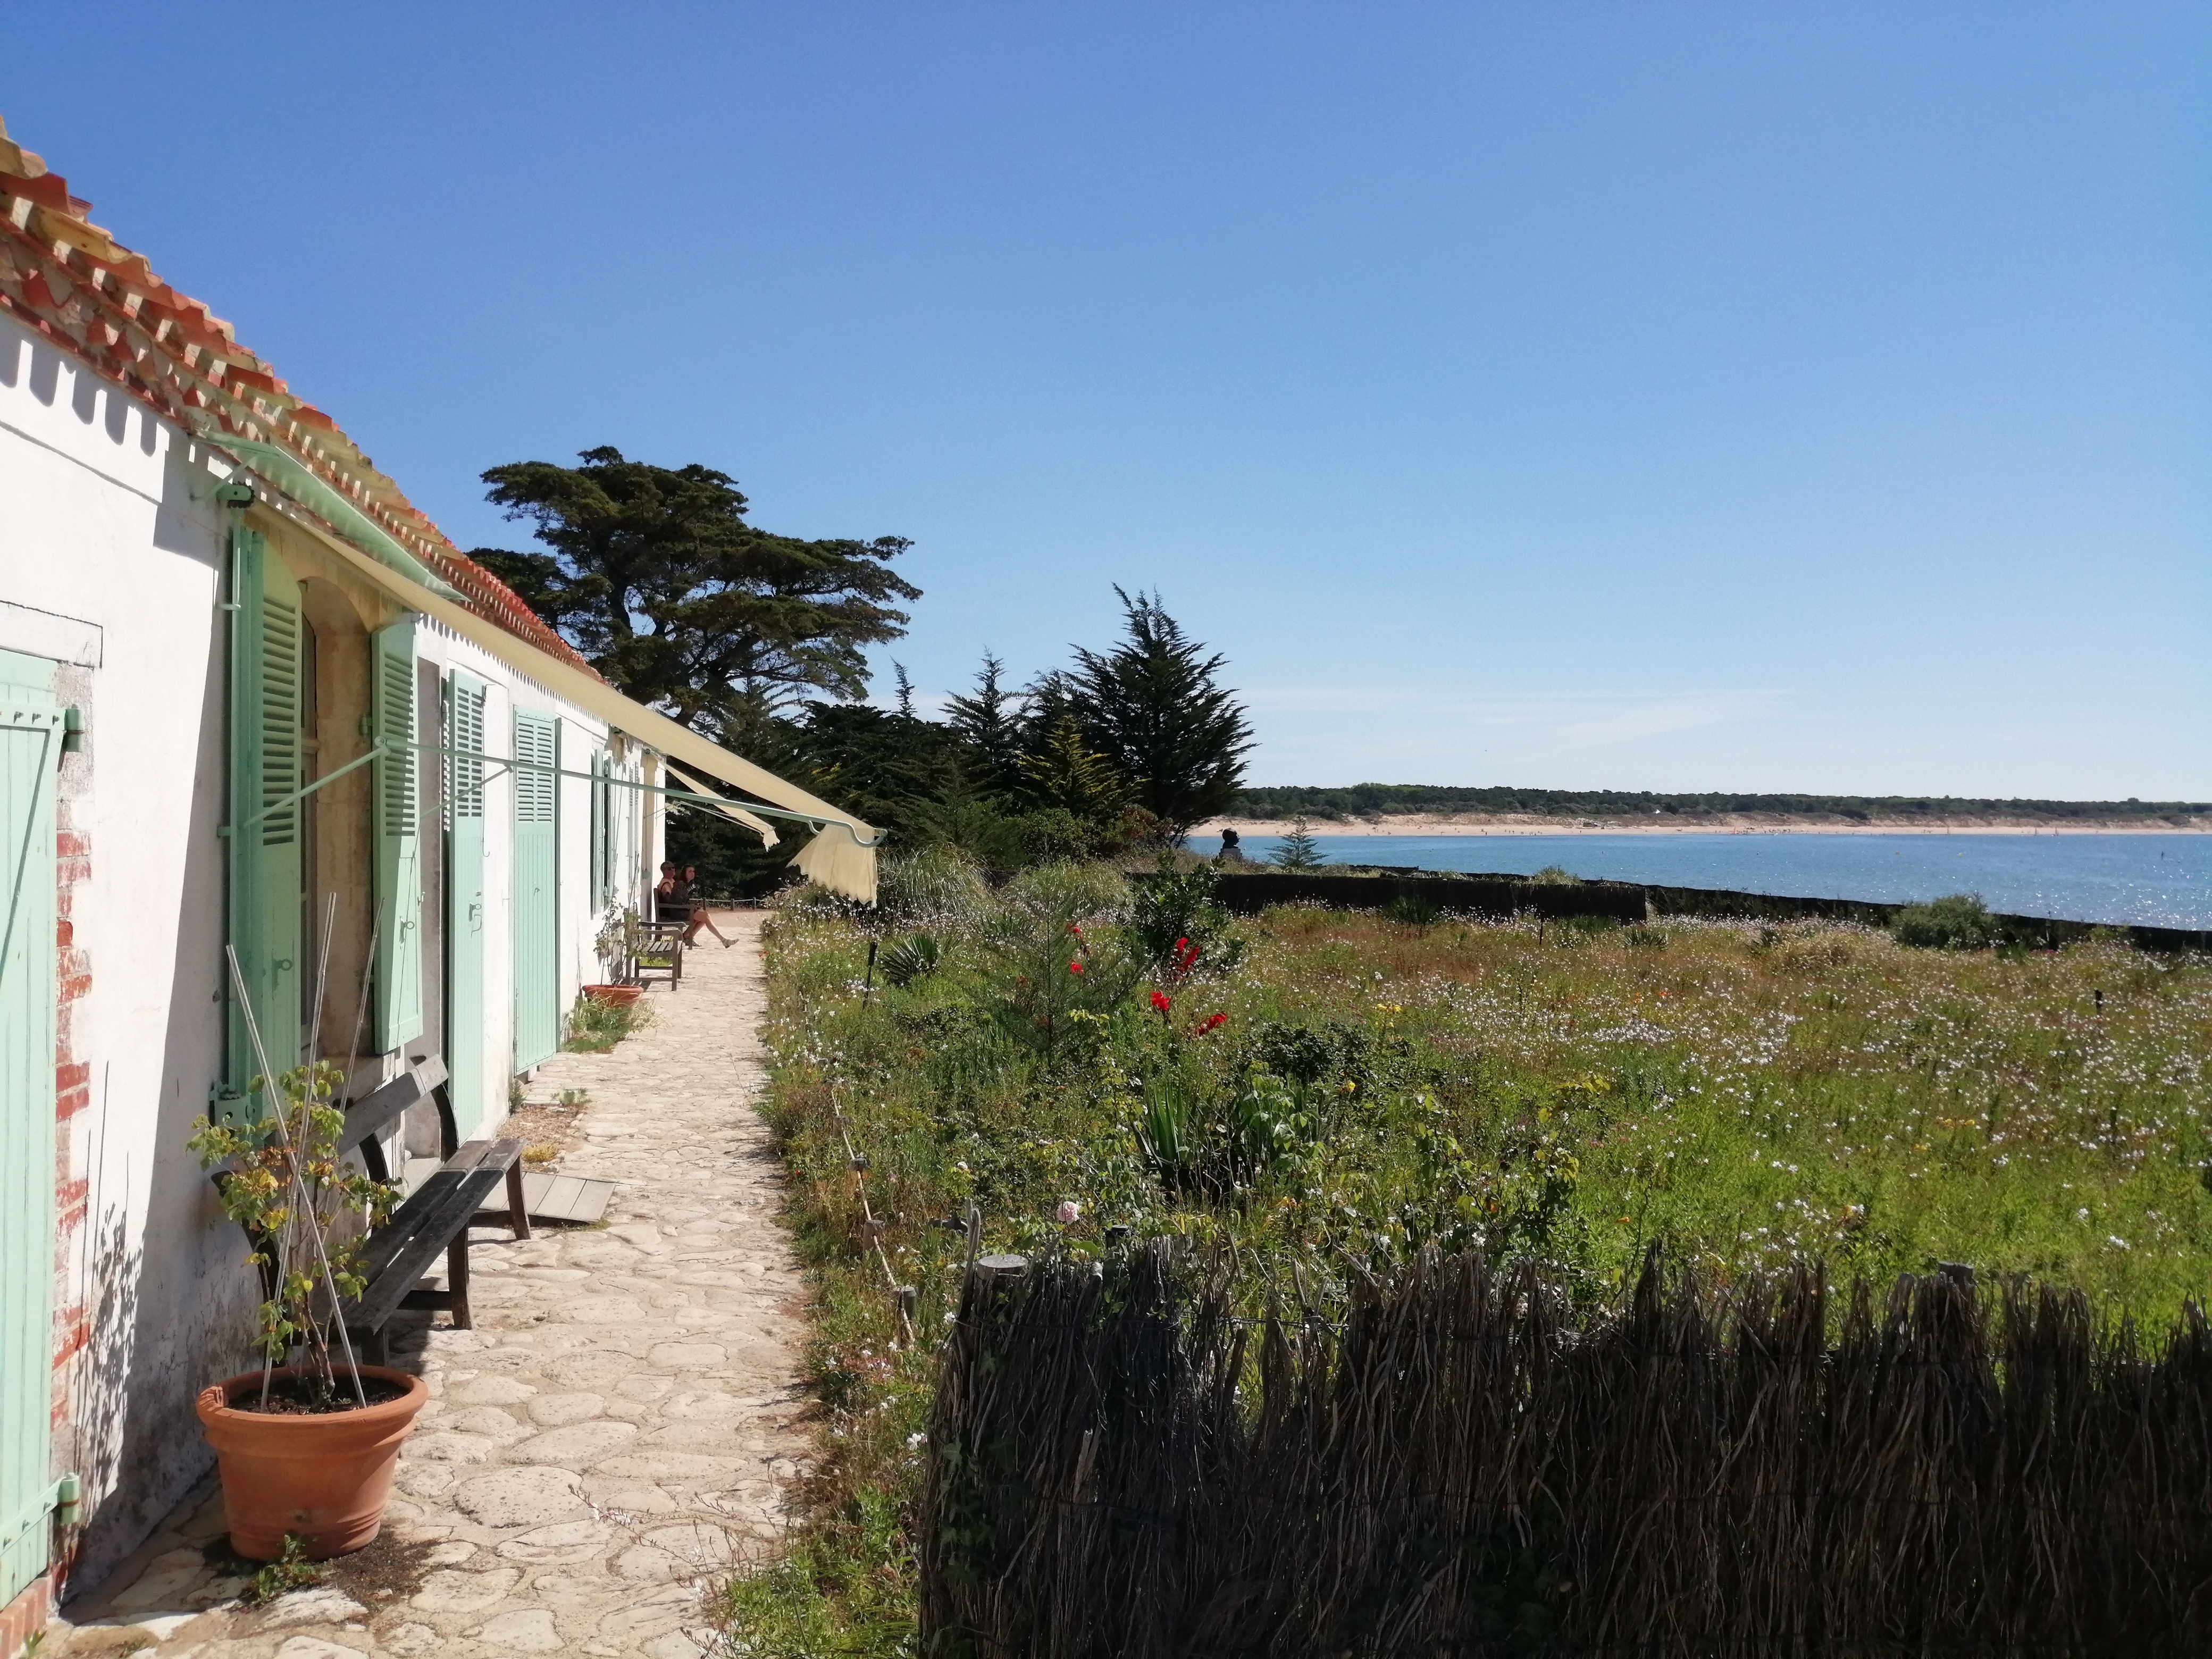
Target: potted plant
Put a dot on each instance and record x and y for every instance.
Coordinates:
(307, 1447)
(621, 936)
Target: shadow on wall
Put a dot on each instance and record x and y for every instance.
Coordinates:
(171, 1303)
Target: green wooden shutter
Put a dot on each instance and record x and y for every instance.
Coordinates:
(536, 862)
(264, 820)
(603, 839)
(30, 751)
(398, 851)
(467, 1085)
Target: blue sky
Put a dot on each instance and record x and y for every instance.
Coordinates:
(1669, 396)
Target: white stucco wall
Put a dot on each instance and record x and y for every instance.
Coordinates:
(104, 518)
(110, 543)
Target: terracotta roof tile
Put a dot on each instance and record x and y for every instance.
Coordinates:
(68, 279)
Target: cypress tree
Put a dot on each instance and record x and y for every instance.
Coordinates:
(1154, 708)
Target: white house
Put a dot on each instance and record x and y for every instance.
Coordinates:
(249, 697)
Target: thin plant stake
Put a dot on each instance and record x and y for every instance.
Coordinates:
(298, 1186)
(360, 1010)
(322, 978)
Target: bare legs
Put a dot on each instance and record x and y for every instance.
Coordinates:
(700, 919)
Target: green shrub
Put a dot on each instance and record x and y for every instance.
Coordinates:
(595, 1027)
(1557, 875)
(940, 885)
(915, 956)
(1960, 922)
(1068, 891)
(1411, 911)
(1175, 909)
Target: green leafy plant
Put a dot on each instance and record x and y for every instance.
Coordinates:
(285, 1182)
(915, 956)
(1176, 921)
(1051, 968)
(1411, 911)
(595, 1027)
(1556, 875)
(622, 935)
(290, 1571)
(1958, 922)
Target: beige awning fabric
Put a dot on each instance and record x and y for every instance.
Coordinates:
(840, 857)
(728, 809)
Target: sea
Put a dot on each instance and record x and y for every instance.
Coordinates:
(2163, 881)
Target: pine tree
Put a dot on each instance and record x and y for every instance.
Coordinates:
(1066, 774)
(1153, 707)
(987, 727)
(1298, 850)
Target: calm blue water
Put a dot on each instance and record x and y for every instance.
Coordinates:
(2159, 880)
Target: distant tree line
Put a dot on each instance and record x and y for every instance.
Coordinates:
(657, 577)
(1362, 800)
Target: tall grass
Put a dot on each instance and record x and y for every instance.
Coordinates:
(1350, 1089)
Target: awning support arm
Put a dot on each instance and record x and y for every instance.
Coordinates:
(375, 750)
(687, 796)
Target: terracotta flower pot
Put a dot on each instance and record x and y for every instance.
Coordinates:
(614, 996)
(324, 1478)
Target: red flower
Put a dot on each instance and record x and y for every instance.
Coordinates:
(1074, 966)
(1186, 958)
(1211, 1023)
(1160, 1002)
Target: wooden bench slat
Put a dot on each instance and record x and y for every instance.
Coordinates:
(399, 1274)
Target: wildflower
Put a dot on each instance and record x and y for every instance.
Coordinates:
(1074, 966)
(1069, 1212)
(1211, 1023)
(1160, 1004)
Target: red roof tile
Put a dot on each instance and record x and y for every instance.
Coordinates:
(66, 277)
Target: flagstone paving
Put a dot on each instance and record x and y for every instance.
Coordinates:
(622, 1424)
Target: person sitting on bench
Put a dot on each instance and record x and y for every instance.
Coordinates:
(700, 916)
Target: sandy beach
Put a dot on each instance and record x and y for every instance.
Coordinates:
(1739, 824)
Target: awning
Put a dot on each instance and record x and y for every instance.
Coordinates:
(728, 809)
(841, 855)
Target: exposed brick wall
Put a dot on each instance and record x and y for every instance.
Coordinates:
(72, 1103)
(22, 1619)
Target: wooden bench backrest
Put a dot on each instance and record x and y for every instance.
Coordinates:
(366, 1117)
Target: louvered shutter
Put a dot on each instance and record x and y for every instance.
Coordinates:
(467, 1076)
(537, 863)
(398, 851)
(265, 819)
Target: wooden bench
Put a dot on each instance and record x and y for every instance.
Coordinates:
(436, 1217)
(660, 953)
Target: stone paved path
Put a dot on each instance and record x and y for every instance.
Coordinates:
(621, 1425)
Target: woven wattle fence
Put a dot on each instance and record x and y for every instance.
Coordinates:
(1463, 1466)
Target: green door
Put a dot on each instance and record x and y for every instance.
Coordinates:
(265, 818)
(30, 751)
(536, 853)
(464, 903)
